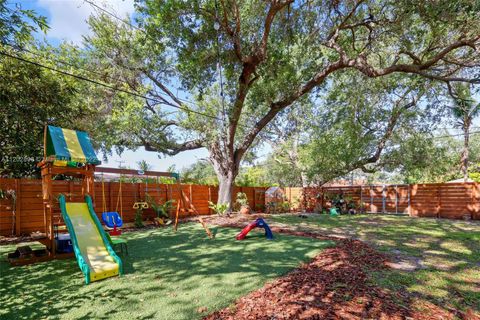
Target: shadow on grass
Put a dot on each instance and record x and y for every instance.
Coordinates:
(168, 275)
(448, 252)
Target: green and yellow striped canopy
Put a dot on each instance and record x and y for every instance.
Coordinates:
(65, 147)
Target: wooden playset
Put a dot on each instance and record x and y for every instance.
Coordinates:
(69, 154)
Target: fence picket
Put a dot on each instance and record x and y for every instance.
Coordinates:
(452, 201)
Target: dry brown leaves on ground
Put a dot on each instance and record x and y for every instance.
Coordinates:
(334, 285)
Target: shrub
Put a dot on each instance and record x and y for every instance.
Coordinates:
(138, 222)
(161, 209)
(242, 201)
(219, 209)
(286, 206)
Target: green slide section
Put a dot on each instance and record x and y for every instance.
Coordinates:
(95, 255)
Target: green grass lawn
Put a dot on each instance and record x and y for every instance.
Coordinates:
(447, 252)
(168, 276)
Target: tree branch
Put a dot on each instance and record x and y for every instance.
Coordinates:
(162, 87)
(173, 149)
(250, 64)
(233, 34)
(361, 64)
(276, 107)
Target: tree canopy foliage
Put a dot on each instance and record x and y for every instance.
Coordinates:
(31, 97)
(244, 63)
(338, 86)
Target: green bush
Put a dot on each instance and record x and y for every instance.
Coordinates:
(161, 209)
(242, 201)
(138, 222)
(219, 209)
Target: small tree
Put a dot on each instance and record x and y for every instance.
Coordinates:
(242, 201)
(161, 209)
(465, 109)
(144, 165)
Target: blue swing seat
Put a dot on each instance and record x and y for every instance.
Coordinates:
(112, 219)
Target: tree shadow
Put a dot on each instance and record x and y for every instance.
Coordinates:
(167, 275)
(446, 253)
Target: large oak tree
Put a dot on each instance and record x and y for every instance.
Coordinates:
(244, 62)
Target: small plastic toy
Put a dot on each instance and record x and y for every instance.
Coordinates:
(260, 223)
(333, 212)
(113, 220)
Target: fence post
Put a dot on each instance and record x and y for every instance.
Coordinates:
(254, 199)
(110, 196)
(191, 197)
(408, 201)
(70, 190)
(472, 199)
(396, 199)
(209, 199)
(384, 195)
(371, 199)
(18, 206)
(439, 201)
(361, 196)
(322, 200)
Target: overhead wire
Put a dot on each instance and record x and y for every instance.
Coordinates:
(111, 87)
(219, 65)
(115, 16)
(455, 135)
(102, 75)
(218, 48)
(79, 77)
(219, 62)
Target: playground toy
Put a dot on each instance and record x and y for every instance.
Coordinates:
(68, 153)
(260, 223)
(140, 204)
(333, 212)
(119, 198)
(117, 241)
(95, 256)
(112, 220)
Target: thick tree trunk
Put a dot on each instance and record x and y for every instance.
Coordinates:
(225, 189)
(303, 176)
(226, 167)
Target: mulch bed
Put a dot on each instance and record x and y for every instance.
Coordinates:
(334, 285)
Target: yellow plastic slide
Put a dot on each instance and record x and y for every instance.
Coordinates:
(95, 255)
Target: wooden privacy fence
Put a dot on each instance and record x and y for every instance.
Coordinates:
(440, 200)
(448, 200)
(26, 214)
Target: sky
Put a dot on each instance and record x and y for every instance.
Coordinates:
(68, 22)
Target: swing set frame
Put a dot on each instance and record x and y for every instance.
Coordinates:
(183, 203)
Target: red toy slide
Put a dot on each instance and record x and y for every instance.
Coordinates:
(246, 230)
(260, 223)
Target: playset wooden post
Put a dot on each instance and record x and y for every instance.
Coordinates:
(51, 211)
(60, 146)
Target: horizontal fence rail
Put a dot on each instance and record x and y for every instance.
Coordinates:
(447, 200)
(25, 214)
(439, 200)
